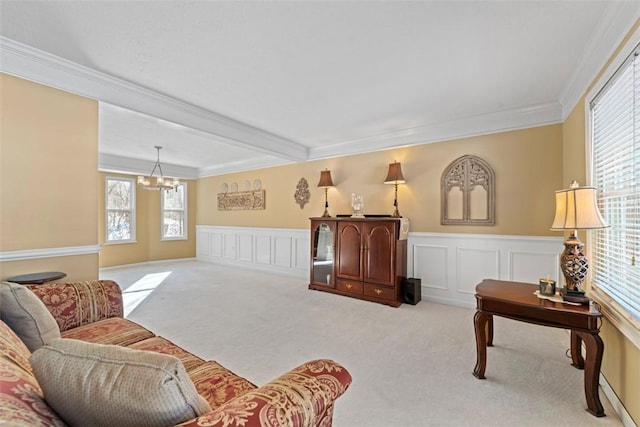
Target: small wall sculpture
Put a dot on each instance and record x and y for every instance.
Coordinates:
(302, 193)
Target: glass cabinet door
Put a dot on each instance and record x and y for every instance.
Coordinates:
(323, 255)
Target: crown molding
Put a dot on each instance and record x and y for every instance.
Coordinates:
(612, 28)
(241, 166)
(520, 118)
(129, 166)
(41, 67)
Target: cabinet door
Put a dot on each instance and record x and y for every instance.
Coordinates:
(349, 242)
(322, 253)
(379, 252)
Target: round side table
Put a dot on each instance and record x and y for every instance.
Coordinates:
(37, 278)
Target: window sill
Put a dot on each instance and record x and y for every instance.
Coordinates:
(123, 242)
(170, 239)
(618, 317)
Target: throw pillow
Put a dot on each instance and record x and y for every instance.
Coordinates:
(108, 385)
(27, 315)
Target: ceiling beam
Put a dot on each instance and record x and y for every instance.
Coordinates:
(33, 64)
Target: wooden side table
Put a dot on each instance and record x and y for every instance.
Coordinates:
(37, 278)
(516, 300)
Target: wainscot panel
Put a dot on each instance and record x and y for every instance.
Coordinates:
(451, 265)
(278, 250)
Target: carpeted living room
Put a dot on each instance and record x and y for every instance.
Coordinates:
(411, 366)
(315, 213)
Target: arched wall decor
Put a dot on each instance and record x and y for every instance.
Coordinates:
(468, 192)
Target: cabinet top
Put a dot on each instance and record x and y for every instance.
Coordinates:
(348, 218)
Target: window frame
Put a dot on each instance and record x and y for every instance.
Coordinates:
(185, 235)
(614, 312)
(132, 211)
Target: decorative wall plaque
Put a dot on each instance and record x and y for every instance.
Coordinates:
(468, 192)
(242, 200)
(302, 193)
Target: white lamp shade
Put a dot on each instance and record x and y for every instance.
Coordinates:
(576, 209)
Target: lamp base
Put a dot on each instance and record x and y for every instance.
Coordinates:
(573, 263)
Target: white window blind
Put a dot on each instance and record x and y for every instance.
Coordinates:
(615, 119)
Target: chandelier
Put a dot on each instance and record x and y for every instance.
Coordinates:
(159, 182)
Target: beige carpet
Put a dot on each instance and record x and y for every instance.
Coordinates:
(411, 366)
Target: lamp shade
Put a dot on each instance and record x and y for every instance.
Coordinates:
(394, 175)
(325, 179)
(576, 209)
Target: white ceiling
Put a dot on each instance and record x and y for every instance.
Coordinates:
(229, 86)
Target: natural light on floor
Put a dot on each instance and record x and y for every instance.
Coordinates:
(136, 293)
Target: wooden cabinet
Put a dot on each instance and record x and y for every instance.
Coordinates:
(369, 260)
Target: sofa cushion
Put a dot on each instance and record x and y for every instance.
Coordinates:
(13, 349)
(75, 304)
(22, 403)
(107, 385)
(163, 345)
(115, 331)
(27, 315)
(217, 384)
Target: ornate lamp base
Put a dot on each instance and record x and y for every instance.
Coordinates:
(574, 264)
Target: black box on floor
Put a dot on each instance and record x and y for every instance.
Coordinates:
(411, 290)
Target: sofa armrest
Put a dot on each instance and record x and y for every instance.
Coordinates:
(78, 303)
(301, 397)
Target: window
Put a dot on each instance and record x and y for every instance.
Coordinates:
(174, 213)
(615, 172)
(120, 210)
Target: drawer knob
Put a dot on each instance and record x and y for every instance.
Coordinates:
(349, 285)
(378, 291)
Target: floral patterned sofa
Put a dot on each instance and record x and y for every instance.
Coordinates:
(92, 311)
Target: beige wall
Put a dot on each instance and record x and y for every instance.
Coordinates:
(148, 245)
(527, 165)
(621, 361)
(48, 168)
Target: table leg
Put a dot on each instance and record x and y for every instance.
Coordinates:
(576, 351)
(594, 350)
(490, 332)
(481, 322)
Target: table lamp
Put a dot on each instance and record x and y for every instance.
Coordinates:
(394, 176)
(576, 209)
(325, 182)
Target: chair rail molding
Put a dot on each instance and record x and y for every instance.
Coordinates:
(48, 253)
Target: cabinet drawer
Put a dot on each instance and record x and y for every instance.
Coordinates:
(349, 286)
(379, 291)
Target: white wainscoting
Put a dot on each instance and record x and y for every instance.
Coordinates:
(451, 265)
(278, 250)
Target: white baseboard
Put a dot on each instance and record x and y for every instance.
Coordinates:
(137, 264)
(617, 405)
